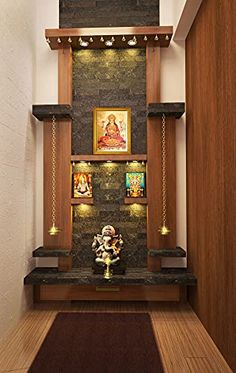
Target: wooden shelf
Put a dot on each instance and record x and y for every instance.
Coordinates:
(177, 252)
(139, 200)
(157, 36)
(170, 109)
(80, 201)
(43, 112)
(106, 157)
(41, 252)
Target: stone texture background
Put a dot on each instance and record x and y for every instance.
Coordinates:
(108, 78)
(105, 13)
(129, 220)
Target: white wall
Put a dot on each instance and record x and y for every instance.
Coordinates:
(17, 157)
(46, 92)
(28, 75)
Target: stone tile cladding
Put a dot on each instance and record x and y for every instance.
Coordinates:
(105, 13)
(109, 208)
(108, 78)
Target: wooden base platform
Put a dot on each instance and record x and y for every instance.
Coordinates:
(137, 284)
(109, 292)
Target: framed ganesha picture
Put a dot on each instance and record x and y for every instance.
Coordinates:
(112, 131)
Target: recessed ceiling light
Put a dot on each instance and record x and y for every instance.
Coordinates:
(109, 43)
(133, 41)
(83, 43)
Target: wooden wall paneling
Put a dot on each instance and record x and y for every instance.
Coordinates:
(153, 74)
(117, 32)
(153, 154)
(211, 177)
(65, 97)
(65, 76)
(154, 239)
(64, 221)
(128, 292)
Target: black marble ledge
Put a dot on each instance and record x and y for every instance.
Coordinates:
(133, 276)
(170, 109)
(45, 112)
(178, 252)
(40, 252)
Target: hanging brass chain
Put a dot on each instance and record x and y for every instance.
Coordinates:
(164, 230)
(54, 230)
(54, 164)
(163, 166)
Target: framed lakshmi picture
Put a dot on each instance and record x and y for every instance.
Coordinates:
(112, 131)
(135, 184)
(82, 185)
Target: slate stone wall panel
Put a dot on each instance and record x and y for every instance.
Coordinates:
(105, 13)
(129, 220)
(108, 78)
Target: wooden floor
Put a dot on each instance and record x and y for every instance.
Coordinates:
(183, 342)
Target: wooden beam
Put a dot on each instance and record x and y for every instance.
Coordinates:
(65, 38)
(65, 76)
(132, 200)
(111, 157)
(153, 154)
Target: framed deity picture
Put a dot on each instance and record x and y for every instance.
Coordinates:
(135, 184)
(112, 131)
(82, 185)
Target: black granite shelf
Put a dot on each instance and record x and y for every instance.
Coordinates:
(170, 109)
(40, 252)
(178, 252)
(45, 112)
(135, 276)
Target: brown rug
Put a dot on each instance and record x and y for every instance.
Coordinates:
(99, 343)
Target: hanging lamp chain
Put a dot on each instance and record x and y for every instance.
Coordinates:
(163, 163)
(54, 164)
(54, 230)
(164, 230)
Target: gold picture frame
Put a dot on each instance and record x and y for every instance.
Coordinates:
(111, 130)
